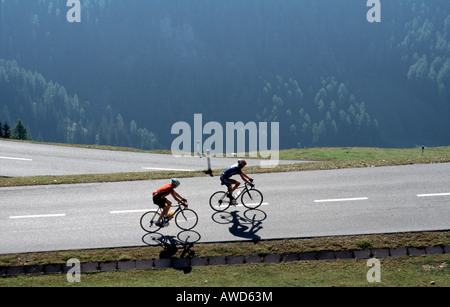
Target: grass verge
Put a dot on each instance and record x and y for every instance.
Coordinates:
(418, 239)
(429, 270)
(424, 271)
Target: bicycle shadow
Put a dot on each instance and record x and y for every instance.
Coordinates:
(171, 245)
(244, 226)
(185, 237)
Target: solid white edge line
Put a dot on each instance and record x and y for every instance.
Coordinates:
(435, 194)
(340, 199)
(36, 216)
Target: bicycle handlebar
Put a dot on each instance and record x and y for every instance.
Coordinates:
(185, 204)
(252, 185)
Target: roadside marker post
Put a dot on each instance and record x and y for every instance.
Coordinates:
(208, 159)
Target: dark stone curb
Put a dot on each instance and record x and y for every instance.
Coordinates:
(186, 263)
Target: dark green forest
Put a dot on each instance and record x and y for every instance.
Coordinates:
(132, 68)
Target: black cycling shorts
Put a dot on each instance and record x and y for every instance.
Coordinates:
(159, 200)
(227, 181)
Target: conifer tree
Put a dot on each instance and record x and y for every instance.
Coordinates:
(6, 130)
(20, 132)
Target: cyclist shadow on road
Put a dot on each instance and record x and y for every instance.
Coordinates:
(244, 226)
(184, 238)
(171, 245)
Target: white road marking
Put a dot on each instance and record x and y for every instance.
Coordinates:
(435, 194)
(167, 169)
(146, 210)
(36, 216)
(241, 205)
(17, 159)
(130, 211)
(340, 199)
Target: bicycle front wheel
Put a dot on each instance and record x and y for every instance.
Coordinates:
(186, 219)
(219, 201)
(252, 199)
(148, 221)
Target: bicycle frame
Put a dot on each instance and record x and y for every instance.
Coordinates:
(250, 197)
(245, 189)
(186, 221)
(179, 206)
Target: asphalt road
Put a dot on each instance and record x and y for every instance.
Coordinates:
(296, 205)
(18, 159)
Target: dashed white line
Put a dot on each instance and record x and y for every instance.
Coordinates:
(36, 216)
(17, 159)
(431, 195)
(146, 210)
(340, 199)
(241, 205)
(166, 169)
(130, 211)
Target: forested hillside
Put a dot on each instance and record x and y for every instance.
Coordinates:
(57, 116)
(132, 68)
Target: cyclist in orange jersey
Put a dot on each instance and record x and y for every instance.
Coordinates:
(159, 199)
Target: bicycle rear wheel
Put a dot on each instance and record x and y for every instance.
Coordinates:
(219, 201)
(186, 219)
(252, 199)
(148, 221)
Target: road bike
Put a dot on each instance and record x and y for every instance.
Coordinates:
(185, 218)
(251, 198)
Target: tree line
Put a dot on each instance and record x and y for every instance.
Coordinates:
(54, 115)
(19, 132)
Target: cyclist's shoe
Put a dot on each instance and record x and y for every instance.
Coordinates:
(232, 199)
(159, 224)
